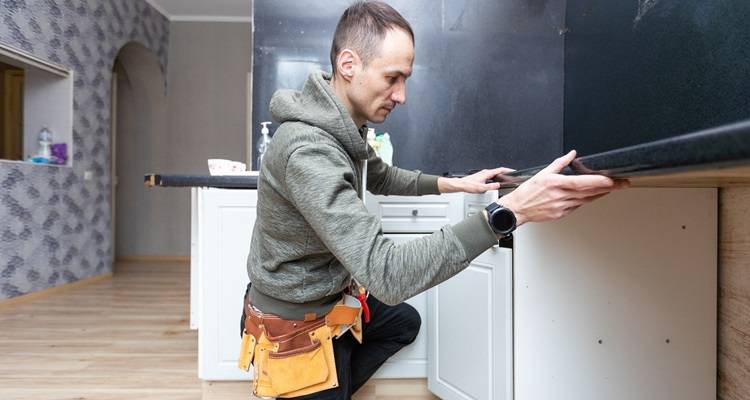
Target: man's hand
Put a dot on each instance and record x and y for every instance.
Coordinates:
(475, 183)
(549, 196)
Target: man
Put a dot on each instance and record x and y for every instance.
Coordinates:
(314, 236)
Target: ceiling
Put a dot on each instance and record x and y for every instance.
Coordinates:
(202, 10)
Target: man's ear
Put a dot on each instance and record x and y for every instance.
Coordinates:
(347, 63)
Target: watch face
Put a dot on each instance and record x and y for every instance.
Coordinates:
(503, 220)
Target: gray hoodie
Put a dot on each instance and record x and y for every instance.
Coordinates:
(313, 233)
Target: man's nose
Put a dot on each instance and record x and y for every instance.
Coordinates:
(399, 94)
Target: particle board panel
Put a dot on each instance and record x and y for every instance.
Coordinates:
(734, 294)
(618, 301)
(715, 177)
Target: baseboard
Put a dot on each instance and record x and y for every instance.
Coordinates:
(387, 389)
(13, 301)
(153, 258)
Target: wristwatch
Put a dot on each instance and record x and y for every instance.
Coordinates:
(501, 219)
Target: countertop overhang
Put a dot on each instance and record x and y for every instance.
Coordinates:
(718, 156)
(217, 181)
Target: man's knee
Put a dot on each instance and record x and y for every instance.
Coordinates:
(411, 322)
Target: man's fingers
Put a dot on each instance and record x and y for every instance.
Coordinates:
(590, 182)
(622, 183)
(585, 182)
(492, 186)
(560, 163)
(491, 173)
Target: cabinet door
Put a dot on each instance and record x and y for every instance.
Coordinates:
(470, 331)
(227, 219)
(411, 361)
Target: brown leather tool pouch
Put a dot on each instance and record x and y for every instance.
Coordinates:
(290, 357)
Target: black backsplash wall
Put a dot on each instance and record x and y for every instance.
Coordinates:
(641, 70)
(487, 87)
(491, 77)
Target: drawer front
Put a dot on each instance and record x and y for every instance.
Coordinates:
(406, 214)
(475, 203)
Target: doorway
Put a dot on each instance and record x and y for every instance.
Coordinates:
(138, 128)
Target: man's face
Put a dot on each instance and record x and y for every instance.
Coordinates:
(377, 88)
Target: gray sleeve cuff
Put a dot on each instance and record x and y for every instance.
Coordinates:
(427, 184)
(475, 235)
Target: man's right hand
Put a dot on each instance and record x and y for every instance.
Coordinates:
(548, 195)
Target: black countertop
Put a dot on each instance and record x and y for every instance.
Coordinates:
(722, 152)
(721, 148)
(217, 181)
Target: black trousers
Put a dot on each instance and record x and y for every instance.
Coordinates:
(390, 329)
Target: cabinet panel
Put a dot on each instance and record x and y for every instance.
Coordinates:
(227, 219)
(618, 301)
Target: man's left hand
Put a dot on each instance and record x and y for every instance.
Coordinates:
(474, 183)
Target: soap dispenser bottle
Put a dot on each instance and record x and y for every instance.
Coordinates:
(264, 142)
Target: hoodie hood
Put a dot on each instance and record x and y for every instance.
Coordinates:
(317, 105)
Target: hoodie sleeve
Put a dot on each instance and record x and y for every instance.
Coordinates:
(385, 179)
(320, 183)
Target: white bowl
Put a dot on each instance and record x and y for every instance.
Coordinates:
(219, 166)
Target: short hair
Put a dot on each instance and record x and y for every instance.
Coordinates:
(362, 28)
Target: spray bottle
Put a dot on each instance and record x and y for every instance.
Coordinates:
(386, 149)
(264, 142)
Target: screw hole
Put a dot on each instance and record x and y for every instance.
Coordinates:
(683, 227)
(667, 340)
(601, 341)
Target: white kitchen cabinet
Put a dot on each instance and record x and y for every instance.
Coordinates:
(223, 224)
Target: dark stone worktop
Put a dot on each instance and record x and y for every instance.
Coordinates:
(217, 181)
(721, 147)
(712, 149)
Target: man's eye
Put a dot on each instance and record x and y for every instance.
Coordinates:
(392, 79)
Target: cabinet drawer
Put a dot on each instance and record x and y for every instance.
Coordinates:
(414, 214)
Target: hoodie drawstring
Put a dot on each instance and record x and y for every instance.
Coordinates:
(364, 179)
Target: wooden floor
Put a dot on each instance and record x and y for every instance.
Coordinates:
(122, 338)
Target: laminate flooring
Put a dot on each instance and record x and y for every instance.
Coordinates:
(127, 337)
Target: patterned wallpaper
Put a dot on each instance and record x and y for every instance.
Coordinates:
(55, 227)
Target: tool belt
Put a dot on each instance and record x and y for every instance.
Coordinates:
(293, 358)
